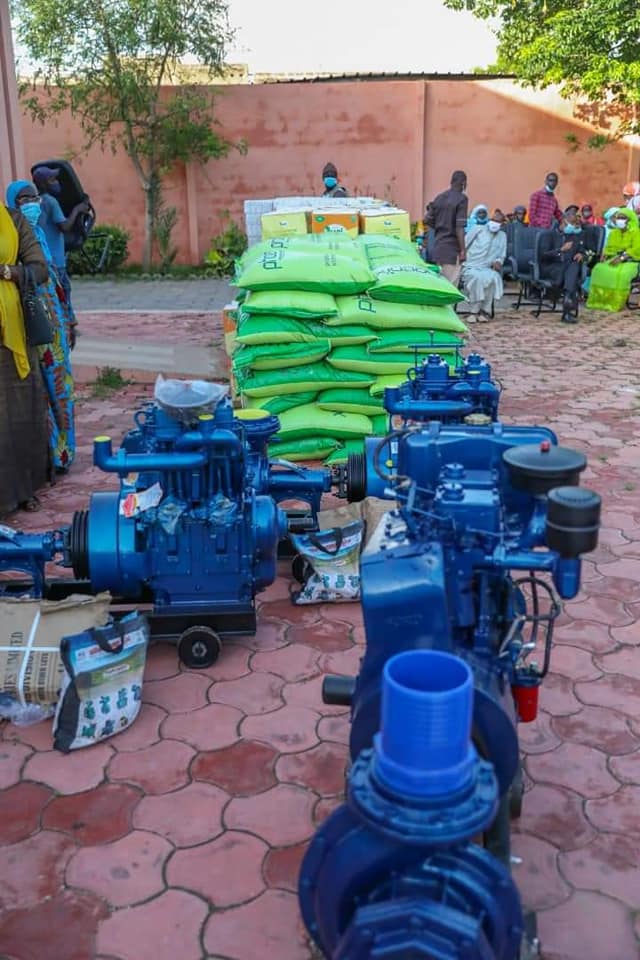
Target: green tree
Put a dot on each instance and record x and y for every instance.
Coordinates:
(119, 66)
(590, 48)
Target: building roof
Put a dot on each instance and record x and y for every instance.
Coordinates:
(373, 75)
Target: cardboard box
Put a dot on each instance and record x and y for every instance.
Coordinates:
(230, 326)
(335, 221)
(391, 223)
(31, 669)
(286, 224)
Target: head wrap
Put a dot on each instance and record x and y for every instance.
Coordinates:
(631, 189)
(14, 188)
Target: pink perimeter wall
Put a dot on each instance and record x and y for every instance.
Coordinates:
(395, 139)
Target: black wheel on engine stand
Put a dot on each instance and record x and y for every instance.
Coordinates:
(199, 647)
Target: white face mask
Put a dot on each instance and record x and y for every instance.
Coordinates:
(494, 226)
(621, 223)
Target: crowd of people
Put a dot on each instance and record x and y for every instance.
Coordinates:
(580, 253)
(37, 434)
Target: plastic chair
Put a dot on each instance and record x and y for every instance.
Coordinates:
(521, 263)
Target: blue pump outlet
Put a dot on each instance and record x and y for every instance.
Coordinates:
(392, 873)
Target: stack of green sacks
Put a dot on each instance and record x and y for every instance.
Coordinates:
(327, 324)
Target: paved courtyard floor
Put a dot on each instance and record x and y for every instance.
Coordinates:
(181, 838)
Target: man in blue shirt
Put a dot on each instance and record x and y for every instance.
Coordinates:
(54, 223)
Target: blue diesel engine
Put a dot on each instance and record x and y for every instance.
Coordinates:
(193, 529)
(486, 536)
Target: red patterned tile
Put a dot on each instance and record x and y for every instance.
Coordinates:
(597, 727)
(288, 730)
(185, 817)
(560, 928)
(322, 768)
(269, 635)
(160, 768)
(95, 816)
(144, 732)
(165, 928)
(601, 609)
(263, 815)
(12, 759)
(308, 693)
(122, 873)
(227, 871)
(242, 769)
(293, 662)
(209, 728)
(181, 694)
(574, 663)
(269, 926)
(232, 663)
(33, 869)
(162, 662)
(63, 927)
(557, 696)
(325, 636)
(612, 690)
(538, 736)
(629, 635)
(617, 813)
(21, 807)
(626, 769)
(610, 864)
(555, 815)
(71, 772)
(537, 876)
(624, 661)
(284, 610)
(335, 729)
(575, 767)
(256, 693)
(282, 867)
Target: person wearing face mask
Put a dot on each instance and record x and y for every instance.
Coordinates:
(54, 223)
(486, 248)
(332, 187)
(612, 278)
(562, 255)
(24, 455)
(544, 209)
(519, 215)
(631, 195)
(55, 358)
(479, 216)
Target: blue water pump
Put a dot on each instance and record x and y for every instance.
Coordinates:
(393, 874)
(485, 537)
(193, 529)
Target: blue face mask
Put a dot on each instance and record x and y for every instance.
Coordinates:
(31, 212)
(572, 228)
(330, 182)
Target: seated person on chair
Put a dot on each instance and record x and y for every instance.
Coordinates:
(562, 254)
(486, 248)
(611, 280)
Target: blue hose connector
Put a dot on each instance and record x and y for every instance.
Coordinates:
(424, 749)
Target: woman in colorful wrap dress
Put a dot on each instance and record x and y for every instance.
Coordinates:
(55, 358)
(612, 278)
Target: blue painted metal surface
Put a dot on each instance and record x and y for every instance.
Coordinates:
(207, 542)
(392, 873)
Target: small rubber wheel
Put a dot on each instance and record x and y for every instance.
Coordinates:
(199, 647)
(299, 568)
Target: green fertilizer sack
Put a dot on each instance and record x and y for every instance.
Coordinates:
(303, 304)
(383, 315)
(304, 243)
(350, 401)
(342, 455)
(360, 360)
(380, 425)
(315, 271)
(413, 283)
(315, 376)
(254, 330)
(274, 356)
(381, 249)
(277, 405)
(386, 380)
(402, 341)
(311, 419)
(308, 448)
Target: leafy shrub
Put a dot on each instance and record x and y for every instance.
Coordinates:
(86, 261)
(226, 248)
